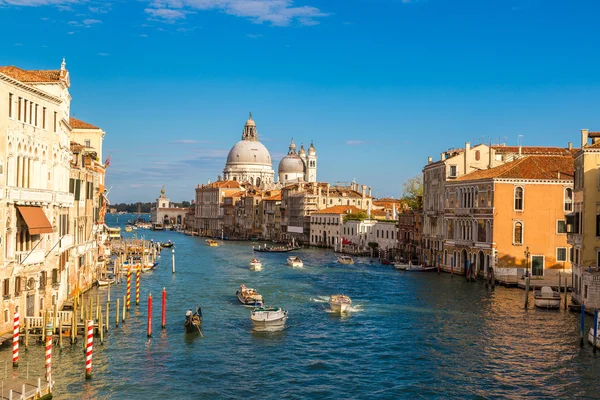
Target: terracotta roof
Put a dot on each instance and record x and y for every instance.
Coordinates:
(535, 150)
(224, 184)
(593, 146)
(275, 197)
(339, 210)
(530, 167)
(79, 124)
(594, 134)
(32, 76)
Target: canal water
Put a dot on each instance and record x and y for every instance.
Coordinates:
(410, 335)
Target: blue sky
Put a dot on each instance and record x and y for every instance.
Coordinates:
(378, 85)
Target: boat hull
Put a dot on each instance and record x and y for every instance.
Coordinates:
(249, 302)
(345, 260)
(268, 320)
(339, 307)
(256, 266)
(591, 337)
(550, 303)
(420, 269)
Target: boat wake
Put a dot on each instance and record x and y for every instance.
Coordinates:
(321, 299)
(352, 309)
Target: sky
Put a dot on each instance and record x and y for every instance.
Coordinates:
(376, 85)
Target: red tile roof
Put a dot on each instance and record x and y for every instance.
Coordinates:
(79, 124)
(535, 150)
(529, 167)
(339, 210)
(594, 134)
(31, 76)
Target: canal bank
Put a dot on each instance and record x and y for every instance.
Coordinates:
(413, 335)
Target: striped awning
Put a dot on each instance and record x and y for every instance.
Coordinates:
(36, 220)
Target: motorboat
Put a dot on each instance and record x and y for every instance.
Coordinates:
(268, 318)
(193, 321)
(105, 281)
(295, 261)
(339, 303)
(128, 228)
(255, 264)
(591, 335)
(419, 268)
(402, 266)
(345, 260)
(275, 249)
(546, 298)
(249, 297)
(211, 243)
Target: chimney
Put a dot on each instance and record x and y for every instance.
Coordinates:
(584, 137)
(491, 153)
(369, 191)
(570, 146)
(443, 155)
(364, 191)
(429, 160)
(387, 214)
(328, 190)
(466, 158)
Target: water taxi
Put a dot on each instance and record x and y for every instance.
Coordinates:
(255, 264)
(249, 297)
(211, 243)
(295, 261)
(339, 303)
(268, 318)
(546, 298)
(345, 260)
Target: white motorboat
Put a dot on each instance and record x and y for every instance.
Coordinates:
(402, 266)
(419, 268)
(546, 298)
(268, 318)
(339, 303)
(591, 335)
(105, 281)
(345, 260)
(249, 297)
(255, 264)
(295, 261)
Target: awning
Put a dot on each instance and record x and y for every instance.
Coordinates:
(35, 219)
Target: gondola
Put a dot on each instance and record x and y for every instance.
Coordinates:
(169, 244)
(193, 321)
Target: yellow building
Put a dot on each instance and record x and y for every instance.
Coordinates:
(512, 213)
(584, 222)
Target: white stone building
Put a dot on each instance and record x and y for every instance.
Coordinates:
(165, 213)
(298, 167)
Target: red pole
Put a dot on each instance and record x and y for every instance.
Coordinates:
(16, 340)
(150, 315)
(49, 356)
(164, 308)
(88, 352)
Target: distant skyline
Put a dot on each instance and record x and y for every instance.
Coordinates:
(377, 85)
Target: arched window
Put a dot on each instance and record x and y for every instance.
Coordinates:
(257, 181)
(568, 199)
(477, 155)
(518, 233)
(519, 198)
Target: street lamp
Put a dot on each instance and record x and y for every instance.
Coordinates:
(527, 253)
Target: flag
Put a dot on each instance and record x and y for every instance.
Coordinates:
(107, 162)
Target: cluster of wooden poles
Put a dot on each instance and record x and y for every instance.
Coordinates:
(87, 314)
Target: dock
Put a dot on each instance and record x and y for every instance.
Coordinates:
(13, 389)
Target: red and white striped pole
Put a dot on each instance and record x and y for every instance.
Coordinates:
(150, 315)
(129, 287)
(49, 353)
(137, 286)
(16, 340)
(164, 308)
(88, 349)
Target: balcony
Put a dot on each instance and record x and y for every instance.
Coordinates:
(463, 211)
(29, 195)
(67, 199)
(30, 257)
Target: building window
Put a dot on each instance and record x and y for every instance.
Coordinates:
(87, 143)
(6, 288)
(561, 254)
(453, 172)
(19, 108)
(518, 198)
(561, 226)
(537, 265)
(568, 199)
(17, 285)
(518, 233)
(477, 155)
(598, 259)
(10, 101)
(44, 118)
(597, 219)
(55, 120)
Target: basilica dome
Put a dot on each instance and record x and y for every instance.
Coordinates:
(292, 163)
(249, 152)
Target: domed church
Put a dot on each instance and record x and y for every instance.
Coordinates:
(298, 167)
(250, 161)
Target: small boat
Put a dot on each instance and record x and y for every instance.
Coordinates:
(249, 297)
(339, 303)
(546, 298)
(193, 321)
(105, 281)
(128, 228)
(211, 243)
(591, 335)
(345, 260)
(419, 268)
(268, 318)
(278, 249)
(295, 261)
(255, 264)
(168, 244)
(402, 266)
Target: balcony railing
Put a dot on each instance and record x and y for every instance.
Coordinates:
(30, 195)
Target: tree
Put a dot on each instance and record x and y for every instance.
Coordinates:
(412, 192)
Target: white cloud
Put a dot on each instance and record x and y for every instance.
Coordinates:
(91, 21)
(275, 12)
(36, 3)
(354, 142)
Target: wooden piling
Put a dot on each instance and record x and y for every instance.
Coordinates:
(56, 319)
(107, 324)
(100, 328)
(582, 323)
(91, 312)
(97, 304)
(526, 292)
(27, 322)
(44, 322)
(117, 311)
(566, 285)
(595, 328)
(74, 326)
(124, 298)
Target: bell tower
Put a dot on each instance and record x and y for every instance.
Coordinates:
(250, 130)
(311, 164)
